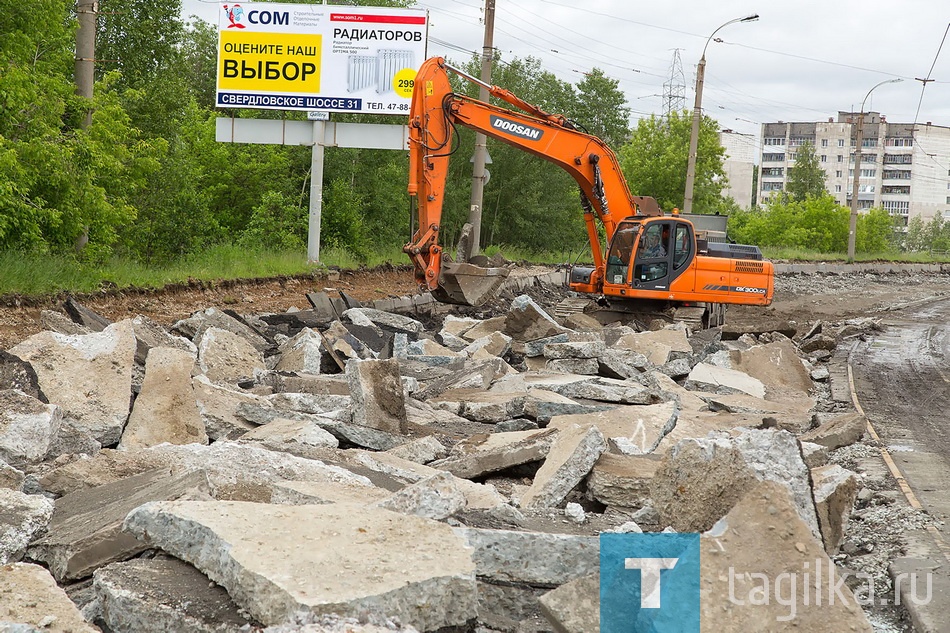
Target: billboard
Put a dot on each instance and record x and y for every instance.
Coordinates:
(319, 57)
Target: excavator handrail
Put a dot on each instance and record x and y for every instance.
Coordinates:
(434, 112)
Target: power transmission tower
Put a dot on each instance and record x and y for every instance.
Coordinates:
(674, 88)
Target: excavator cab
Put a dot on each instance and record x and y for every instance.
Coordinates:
(647, 254)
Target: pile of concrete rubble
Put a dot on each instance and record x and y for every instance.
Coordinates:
(348, 469)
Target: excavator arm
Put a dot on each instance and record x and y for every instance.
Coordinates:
(436, 110)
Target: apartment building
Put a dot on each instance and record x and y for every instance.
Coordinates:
(904, 170)
(739, 165)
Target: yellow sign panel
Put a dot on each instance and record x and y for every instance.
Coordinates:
(269, 62)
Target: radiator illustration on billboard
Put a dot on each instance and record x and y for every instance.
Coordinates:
(377, 71)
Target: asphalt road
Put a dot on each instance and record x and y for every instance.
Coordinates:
(902, 379)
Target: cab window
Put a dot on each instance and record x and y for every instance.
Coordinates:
(682, 246)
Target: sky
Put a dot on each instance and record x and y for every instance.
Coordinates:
(802, 60)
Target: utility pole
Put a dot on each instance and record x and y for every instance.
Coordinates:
(481, 150)
(85, 69)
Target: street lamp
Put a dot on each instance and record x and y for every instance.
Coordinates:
(853, 223)
(697, 116)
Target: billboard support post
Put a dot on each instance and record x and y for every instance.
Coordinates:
(316, 192)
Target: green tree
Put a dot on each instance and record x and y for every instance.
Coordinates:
(601, 108)
(915, 240)
(806, 178)
(654, 161)
(875, 232)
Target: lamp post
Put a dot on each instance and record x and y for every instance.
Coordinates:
(697, 116)
(853, 222)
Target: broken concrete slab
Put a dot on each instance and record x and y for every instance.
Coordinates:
(815, 455)
(89, 376)
(642, 426)
(149, 334)
(542, 406)
(762, 539)
(536, 347)
(473, 375)
(298, 493)
(574, 607)
(15, 373)
(166, 409)
(282, 431)
(713, 379)
(164, 594)
(32, 598)
(622, 480)
(226, 357)
(487, 407)
(107, 466)
(574, 349)
(527, 321)
(301, 354)
(195, 326)
(383, 561)
(86, 530)
(10, 477)
(387, 321)
(437, 497)
(841, 430)
(534, 558)
(343, 344)
(378, 399)
(84, 316)
(477, 496)
(700, 480)
(495, 344)
(570, 459)
(59, 322)
(22, 518)
(484, 328)
(422, 451)
(246, 471)
(219, 408)
(659, 346)
(578, 366)
(835, 490)
(28, 427)
(488, 453)
(778, 366)
(622, 364)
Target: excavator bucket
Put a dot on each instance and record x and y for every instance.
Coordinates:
(467, 284)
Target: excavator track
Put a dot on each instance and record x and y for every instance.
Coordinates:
(695, 317)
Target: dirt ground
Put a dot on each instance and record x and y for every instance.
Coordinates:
(798, 298)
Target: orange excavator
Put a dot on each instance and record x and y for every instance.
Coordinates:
(654, 263)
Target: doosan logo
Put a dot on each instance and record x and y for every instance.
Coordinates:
(516, 129)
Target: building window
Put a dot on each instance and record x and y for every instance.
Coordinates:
(837, 188)
(899, 142)
(868, 142)
(898, 159)
(773, 158)
(798, 141)
(840, 158)
(824, 142)
(773, 171)
(898, 207)
(771, 186)
(824, 158)
(838, 174)
(840, 142)
(774, 140)
(902, 189)
(898, 174)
